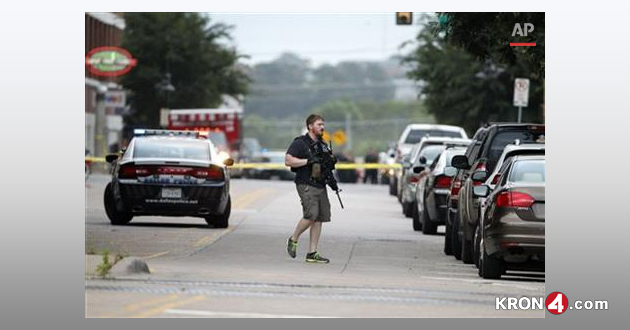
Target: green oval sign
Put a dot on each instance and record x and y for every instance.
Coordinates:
(109, 61)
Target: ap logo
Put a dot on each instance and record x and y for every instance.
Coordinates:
(527, 27)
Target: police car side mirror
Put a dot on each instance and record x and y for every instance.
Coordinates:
(111, 158)
(228, 162)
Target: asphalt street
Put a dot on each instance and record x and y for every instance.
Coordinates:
(379, 266)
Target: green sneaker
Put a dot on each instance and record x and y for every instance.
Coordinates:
(316, 258)
(291, 247)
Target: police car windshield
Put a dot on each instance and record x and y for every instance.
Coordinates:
(171, 148)
(416, 135)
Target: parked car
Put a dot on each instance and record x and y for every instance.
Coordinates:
(484, 156)
(270, 157)
(420, 157)
(168, 173)
(429, 209)
(411, 135)
(509, 151)
(513, 224)
(452, 199)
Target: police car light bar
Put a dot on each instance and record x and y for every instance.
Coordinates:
(164, 132)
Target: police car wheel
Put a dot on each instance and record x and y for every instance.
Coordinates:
(115, 217)
(221, 221)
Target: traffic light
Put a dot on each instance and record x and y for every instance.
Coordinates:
(404, 18)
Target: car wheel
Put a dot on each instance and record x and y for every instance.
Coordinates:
(467, 244)
(408, 209)
(456, 243)
(115, 217)
(222, 220)
(428, 227)
(491, 267)
(448, 241)
(417, 226)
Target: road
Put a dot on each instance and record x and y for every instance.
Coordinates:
(379, 266)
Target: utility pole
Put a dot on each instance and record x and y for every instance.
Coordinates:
(101, 122)
(349, 130)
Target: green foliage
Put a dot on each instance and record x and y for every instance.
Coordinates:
(289, 86)
(373, 124)
(461, 90)
(103, 268)
(488, 35)
(187, 46)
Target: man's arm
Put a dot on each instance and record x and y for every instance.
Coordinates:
(291, 161)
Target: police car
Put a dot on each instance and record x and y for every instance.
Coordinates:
(169, 173)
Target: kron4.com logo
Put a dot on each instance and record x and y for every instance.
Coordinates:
(557, 303)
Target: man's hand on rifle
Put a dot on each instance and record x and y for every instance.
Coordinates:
(314, 159)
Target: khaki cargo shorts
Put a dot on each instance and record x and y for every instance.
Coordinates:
(315, 204)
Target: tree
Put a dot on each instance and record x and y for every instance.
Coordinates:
(488, 36)
(188, 47)
(461, 90)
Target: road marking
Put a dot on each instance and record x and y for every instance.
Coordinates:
(245, 200)
(192, 312)
(204, 240)
(146, 303)
(159, 254)
(171, 305)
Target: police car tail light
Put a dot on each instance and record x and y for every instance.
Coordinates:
(214, 173)
(132, 171)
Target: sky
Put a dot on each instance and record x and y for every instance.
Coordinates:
(322, 38)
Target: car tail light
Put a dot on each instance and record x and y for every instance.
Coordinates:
(443, 181)
(457, 185)
(215, 173)
(414, 179)
(495, 180)
(481, 166)
(514, 199)
(132, 171)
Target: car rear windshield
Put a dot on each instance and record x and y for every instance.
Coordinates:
(415, 135)
(528, 171)
(430, 153)
(172, 148)
(504, 138)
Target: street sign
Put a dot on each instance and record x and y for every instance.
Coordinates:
(326, 136)
(339, 137)
(109, 61)
(521, 92)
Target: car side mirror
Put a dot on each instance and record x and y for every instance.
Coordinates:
(111, 158)
(418, 169)
(228, 162)
(460, 162)
(481, 191)
(450, 171)
(480, 176)
(422, 160)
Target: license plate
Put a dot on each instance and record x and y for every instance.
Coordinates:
(171, 192)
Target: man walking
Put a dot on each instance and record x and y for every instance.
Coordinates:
(303, 156)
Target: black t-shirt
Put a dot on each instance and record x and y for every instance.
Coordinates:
(299, 148)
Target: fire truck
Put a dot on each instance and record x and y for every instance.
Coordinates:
(223, 126)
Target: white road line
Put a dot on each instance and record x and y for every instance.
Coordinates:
(192, 312)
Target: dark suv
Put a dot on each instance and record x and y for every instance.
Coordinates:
(482, 156)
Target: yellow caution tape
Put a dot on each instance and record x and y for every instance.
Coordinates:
(280, 166)
(95, 159)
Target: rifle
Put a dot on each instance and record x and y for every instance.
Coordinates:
(328, 165)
